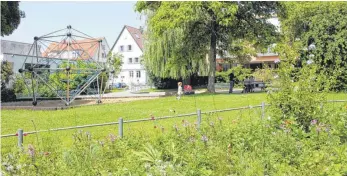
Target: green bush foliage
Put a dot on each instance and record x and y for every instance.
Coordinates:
(239, 72)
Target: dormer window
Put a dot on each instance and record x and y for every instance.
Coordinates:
(137, 36)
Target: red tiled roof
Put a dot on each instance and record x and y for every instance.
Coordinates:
(90, 46)
(136, 34)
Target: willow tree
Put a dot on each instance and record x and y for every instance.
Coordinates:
(183, 38)
(319, 28)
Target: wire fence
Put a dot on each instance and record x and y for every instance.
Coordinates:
(20, 133)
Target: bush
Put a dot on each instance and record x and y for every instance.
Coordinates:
(240, 74)
(7, 95)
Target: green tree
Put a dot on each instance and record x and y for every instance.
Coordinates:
(6, 72)
(319, 29)
(114, 60)
(184, 37)
(10, 16)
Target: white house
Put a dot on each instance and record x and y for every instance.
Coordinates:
(130, 44)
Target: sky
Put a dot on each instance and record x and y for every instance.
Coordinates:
(97, 19)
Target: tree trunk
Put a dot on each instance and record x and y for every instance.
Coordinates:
(212, 56)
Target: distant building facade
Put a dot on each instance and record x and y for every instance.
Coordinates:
(130, 44)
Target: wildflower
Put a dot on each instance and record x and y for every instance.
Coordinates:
(10, 156)
(229, 146)
(220, 118)
(314, 122)
(309, 62)
(318, 129)
(250, 107)
(31, 150)
(204, 138)
(277, 61)
(276, 76)
(9, 168)
(112, 137)
(88, 135)
(162, 129)
(147, 166)
(175, 127)
(101, 143)
(46, 153)
(191, 139)
(211, 124)
(19, 167)
(185, 124)
(269, 118)
(327, 129)
(152, 117)
(172, 110)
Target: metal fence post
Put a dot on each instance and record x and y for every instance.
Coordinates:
(20, 137)
(262, 110)
(199, 117)
(120, 127)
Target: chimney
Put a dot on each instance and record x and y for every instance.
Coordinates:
(141, 29)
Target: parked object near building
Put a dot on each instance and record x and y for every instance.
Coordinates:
(130, 44)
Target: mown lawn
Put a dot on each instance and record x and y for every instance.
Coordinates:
(28, 120)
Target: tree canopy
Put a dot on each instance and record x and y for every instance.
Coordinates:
(10, 16)
(319, 29)
(183, 38)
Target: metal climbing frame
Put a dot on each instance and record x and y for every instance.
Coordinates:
(67, 62)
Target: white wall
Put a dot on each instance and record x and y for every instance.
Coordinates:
(124, 76)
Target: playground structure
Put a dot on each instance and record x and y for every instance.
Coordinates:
(66, 63)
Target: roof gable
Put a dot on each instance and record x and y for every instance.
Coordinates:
(90, 46)
(135, 33)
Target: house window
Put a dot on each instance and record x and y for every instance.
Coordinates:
(138, 74)
(121, 48)
(136, 60)
(122, 76)
(74, 54)
(131, 74)
(129, 47)
(130, 60)
(103, 55)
